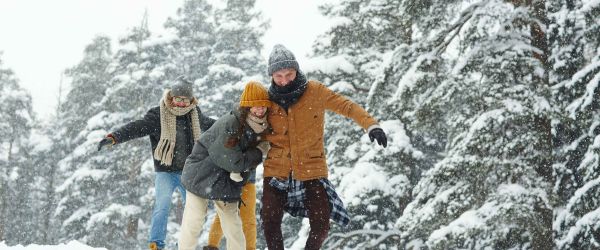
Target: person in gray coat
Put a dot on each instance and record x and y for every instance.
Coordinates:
(231, 145)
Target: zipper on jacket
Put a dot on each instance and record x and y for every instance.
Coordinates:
(190, 122)
(289, 116)
(291, 165)
(290, 182)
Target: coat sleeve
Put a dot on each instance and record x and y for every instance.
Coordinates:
(205, 121)
(249, 138)
(233, 159)
(344, 106)
(139, 128)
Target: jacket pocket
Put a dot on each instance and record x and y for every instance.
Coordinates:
(314, 153)
(275, 153)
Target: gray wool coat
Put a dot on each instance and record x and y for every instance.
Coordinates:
(207, 168)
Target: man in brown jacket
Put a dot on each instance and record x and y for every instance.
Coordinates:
(297, 155)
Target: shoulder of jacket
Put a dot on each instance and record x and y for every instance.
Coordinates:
(318, 87)
(234, 119)
(229, 121)
(315, 83)
(154, 111)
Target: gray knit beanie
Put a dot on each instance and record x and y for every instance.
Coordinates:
(182, 87)
(282, 58)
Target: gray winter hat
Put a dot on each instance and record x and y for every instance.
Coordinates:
(282, 58)
(182, 87)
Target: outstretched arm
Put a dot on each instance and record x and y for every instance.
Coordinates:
(138, 128)
(344, 106)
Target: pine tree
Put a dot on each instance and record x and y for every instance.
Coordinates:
(490, 187)
(566, 59)
(88, 86)
(45, 158)
(193, 36)
(470, 88)
(575, 84)
(28, 194)
(49, 152)
(234, 57)
(16, 121)
(88, 83)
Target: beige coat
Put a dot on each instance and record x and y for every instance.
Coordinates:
(297, 136)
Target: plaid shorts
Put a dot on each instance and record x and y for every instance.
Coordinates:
(296, 194)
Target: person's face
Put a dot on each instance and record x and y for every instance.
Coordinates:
(181, 101)
(283, 77)
(258, 111)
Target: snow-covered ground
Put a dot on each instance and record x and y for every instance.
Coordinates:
(73, 245)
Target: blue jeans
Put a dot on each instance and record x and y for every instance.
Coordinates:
(165, 184)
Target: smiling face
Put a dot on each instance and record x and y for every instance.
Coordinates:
(181, 101)
(284, 77)
(258, 111)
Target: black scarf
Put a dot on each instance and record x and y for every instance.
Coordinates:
(289, 94)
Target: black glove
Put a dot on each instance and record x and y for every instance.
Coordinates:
(379, 135)
(105, 141)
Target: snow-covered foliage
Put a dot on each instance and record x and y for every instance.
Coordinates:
(476, 94)
(576, 59)
(235, 56)
(71, 245)
(17, 173)
(106, 197)
(490, 108)
(218, 48)
(94, 183)
(468, 82)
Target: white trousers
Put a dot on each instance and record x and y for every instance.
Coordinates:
(194, 215)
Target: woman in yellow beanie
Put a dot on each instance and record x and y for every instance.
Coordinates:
(256, 99)
(222, 168)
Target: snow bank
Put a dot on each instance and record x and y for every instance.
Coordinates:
(73, 245)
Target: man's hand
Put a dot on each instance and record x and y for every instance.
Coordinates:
(106, 141)
(379, 135)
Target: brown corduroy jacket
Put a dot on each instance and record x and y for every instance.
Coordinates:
(297, 135)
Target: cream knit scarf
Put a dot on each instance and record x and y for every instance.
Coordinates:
(257, 124)
(168, 127)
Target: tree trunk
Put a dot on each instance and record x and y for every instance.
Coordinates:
(49, 205)
(132, 227)
(132, 221)
(542, 237)
(541, 234)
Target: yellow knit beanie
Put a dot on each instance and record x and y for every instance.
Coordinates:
(255, 95)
